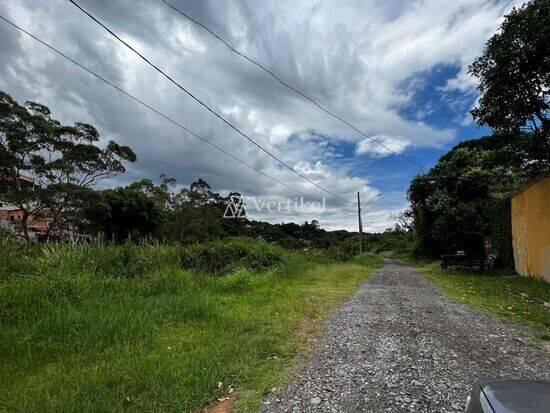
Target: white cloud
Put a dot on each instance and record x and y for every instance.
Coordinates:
(352, 57)
(369, 146)
(279, 133)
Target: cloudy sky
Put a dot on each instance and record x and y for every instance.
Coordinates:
(396, 69)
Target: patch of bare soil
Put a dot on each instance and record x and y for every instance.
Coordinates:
(223, 405)
(306, 329)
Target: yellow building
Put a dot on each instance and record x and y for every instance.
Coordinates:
(531, 229)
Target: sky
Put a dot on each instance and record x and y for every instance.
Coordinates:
(395, 69)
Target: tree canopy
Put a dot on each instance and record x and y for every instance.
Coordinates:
(124, 213)
(454, 204)
(514, 74)
(63, 161)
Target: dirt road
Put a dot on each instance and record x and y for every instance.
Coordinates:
(399, 346)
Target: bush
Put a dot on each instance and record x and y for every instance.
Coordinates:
(225, 256)
(129, 260)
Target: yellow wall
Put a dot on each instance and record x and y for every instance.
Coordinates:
(531, 230)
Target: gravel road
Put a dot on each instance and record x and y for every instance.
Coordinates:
(399, 346)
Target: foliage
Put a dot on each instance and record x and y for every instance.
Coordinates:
(514, 74)
(396, 240)
(515, 298)
(229, 255)
(63, 161)
(160, 194)
(95, 327)
(195, 214)
(453, 204)
(123, 213)
(500, 222)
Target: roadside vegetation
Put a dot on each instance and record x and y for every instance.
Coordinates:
(181, 307)
(464, 198)
(463, 202)
(159, 327)
(501, 292)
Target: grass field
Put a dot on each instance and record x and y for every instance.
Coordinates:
(158, 328)
(517, 299)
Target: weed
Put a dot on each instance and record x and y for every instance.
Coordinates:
(98, 327)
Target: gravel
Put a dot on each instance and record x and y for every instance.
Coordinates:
(399, 346)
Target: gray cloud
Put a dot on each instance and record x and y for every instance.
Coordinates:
(351, 57)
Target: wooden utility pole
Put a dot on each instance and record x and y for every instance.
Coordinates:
(361, 240)
(360, 223)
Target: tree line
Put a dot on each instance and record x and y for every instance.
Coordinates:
(459, 202)
(192, 214)
(464, 198)
(65, 162)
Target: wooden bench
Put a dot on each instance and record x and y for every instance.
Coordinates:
(463, 261)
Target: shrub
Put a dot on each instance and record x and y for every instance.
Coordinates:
(225, 256)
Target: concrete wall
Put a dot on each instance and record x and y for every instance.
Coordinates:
(531, 229)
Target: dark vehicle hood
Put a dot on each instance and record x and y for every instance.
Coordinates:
(518, 396)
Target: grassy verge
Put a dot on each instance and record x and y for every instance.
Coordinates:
(500, 292)
(157, 328)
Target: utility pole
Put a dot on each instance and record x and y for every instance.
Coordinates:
(360, 223)
(359, 209)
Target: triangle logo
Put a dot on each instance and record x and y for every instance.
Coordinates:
(235, 208)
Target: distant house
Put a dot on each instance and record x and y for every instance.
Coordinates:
(531, 228)
(11, 215)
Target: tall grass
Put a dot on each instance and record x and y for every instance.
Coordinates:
(125, 260)
(97, 327)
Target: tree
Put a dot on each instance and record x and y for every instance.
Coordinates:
(514, 74)
(455, 203)
(195, 214)
(199, 194)
(405, 223)
(63, 162)
(124, 213)
(160, 193)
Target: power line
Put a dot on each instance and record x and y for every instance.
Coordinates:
(232, 126)
(371, 200)
(289, 86)
(96, 75)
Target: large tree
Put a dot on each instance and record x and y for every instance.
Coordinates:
(161, 194)
(63, 161)
(197, 214)
(455, 204)
(124, 213)
(514, 74)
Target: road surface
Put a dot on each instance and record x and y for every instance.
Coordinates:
(399, 346)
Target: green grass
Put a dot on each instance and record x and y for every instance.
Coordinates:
(140, 328)
(502, 293)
